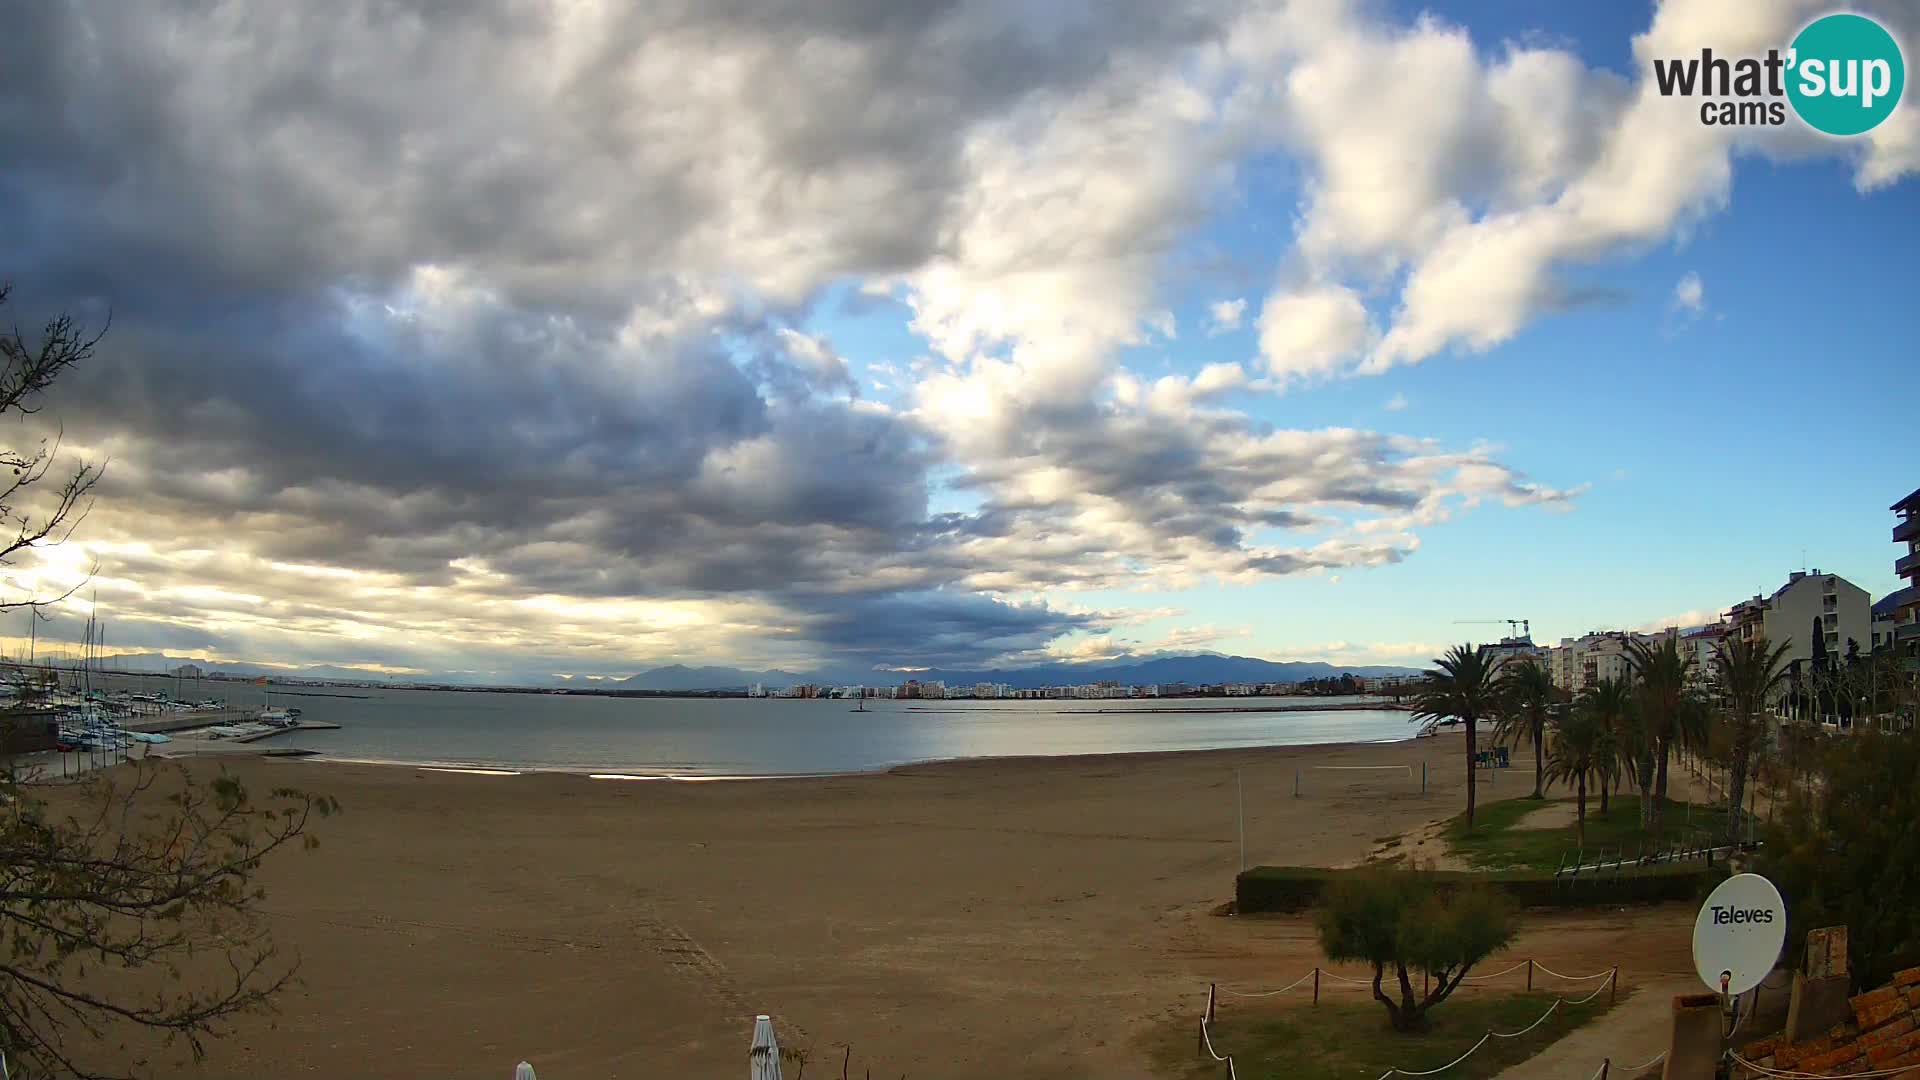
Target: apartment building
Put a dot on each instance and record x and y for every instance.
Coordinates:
(1906, 602)
(1842, 610)
(1583, 662)
(1886, 621)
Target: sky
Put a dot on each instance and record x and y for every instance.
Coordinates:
(523, 338)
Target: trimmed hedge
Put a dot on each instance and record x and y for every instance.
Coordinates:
(1297, 888)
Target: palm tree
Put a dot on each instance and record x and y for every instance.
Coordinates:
(1610, 704)
(1460, 686)
(1582, 747)
(1671, 712)
(1749, 673)
(1528, 695)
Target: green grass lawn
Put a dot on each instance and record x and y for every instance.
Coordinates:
(1349, 1039)
(1495, 843)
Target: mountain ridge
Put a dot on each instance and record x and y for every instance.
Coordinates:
(1158, 668)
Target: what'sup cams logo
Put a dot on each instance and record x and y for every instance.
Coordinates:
(1842, 75)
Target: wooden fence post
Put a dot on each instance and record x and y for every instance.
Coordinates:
(1316, 986)
(1613, 986)
(1529, 974)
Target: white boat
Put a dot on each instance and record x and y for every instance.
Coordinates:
(148, 737)
(283, 718)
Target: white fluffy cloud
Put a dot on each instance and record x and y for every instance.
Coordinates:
(1313, 332)
(1480, 170)
(1225, 315)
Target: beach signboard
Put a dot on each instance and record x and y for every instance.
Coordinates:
(1738, 934)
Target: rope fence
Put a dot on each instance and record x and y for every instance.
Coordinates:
(1206, 1039)
(1789, 1074)
(1611, 985)
(1632, 1070)
(1318, 974)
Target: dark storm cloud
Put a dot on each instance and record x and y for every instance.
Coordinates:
(492, 303)
(284, 149)
(948, 630)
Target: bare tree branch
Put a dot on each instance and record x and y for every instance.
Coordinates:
(27, 369)
(144, 877)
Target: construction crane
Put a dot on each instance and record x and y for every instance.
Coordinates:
(1515, 627)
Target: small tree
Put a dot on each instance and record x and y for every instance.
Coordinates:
(1847, 852)
(1402, 921)
(1817, 670)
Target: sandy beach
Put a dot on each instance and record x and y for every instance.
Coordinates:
(1013, 918)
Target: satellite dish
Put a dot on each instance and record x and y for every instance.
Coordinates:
(1738, 934)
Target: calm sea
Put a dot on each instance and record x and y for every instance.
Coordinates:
(742, 737)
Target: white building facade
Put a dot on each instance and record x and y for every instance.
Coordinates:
(1842, 610)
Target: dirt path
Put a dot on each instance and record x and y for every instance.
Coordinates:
(1632, 1033)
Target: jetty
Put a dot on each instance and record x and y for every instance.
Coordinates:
(188, 719)
(300, 725)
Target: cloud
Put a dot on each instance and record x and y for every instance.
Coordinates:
(1225, 315)
(1396, 403)
(1471, 178)
(1312, 332)
(1684, 620)
(1690, 294)
(495, 331)
(1387, 653)
(1689, 301)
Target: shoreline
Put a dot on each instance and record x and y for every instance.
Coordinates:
(239, 751)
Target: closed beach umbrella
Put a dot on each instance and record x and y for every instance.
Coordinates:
(763, 1061)
(523, 1071)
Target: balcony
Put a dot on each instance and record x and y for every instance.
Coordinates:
(1907, 530)
(1908, 566)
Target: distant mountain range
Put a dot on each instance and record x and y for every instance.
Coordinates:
(1191, 668)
